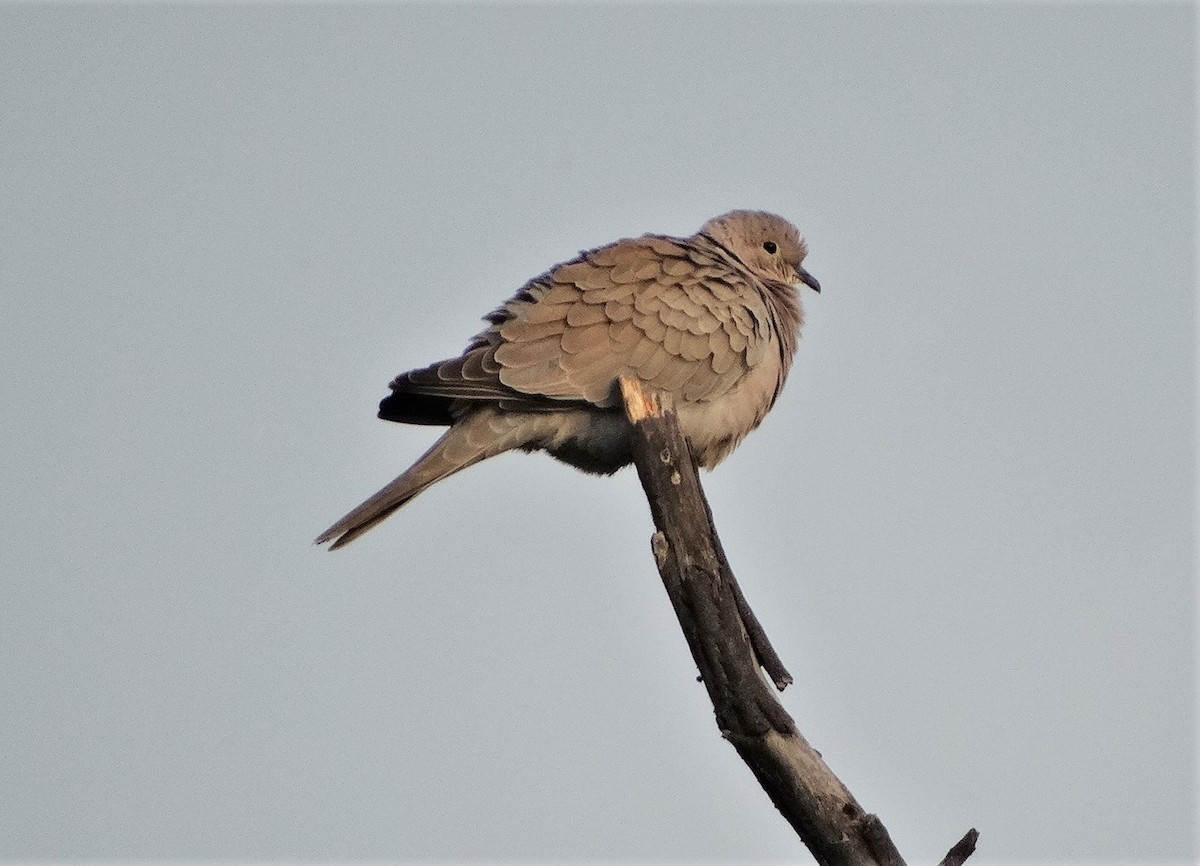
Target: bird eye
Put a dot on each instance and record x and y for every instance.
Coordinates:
(770, 247)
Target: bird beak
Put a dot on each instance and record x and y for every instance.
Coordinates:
(808, 280)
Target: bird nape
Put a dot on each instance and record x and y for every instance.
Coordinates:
(712, 320)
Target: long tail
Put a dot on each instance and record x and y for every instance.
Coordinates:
(472, 439)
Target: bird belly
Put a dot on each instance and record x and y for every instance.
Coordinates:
(713, 428)
(594, 440)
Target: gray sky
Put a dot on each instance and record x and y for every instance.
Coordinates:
(968, 524)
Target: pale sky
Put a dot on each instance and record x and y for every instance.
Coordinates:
(968, 525)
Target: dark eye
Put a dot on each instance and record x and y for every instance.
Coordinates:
(770, 247)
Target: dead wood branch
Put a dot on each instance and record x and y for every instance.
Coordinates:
(729, 646)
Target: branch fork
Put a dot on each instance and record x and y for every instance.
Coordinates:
(731, 650)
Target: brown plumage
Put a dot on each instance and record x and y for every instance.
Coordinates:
(711, 320)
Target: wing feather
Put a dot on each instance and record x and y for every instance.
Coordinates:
(674, 315)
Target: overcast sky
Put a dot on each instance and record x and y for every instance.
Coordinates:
(968, 525)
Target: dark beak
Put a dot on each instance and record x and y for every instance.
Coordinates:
(809, 280)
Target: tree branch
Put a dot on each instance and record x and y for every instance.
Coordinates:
(729, 645)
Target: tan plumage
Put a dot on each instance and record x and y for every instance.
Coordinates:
(711, 320)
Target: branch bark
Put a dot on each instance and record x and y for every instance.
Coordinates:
(729, 646)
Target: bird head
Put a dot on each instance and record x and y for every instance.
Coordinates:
(768, 245)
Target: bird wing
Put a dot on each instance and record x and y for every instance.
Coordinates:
(670, 313)
(681, 318)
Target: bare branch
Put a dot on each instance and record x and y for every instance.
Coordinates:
(728, 645)
(962, 849)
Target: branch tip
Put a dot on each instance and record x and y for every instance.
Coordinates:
(640, 404)
(962, 849)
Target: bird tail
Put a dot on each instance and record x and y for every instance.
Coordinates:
(466, 443)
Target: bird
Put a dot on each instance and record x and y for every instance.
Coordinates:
(711, 320)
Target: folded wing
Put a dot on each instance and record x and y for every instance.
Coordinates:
(677, 316)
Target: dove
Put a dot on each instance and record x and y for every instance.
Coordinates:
(710, 321)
